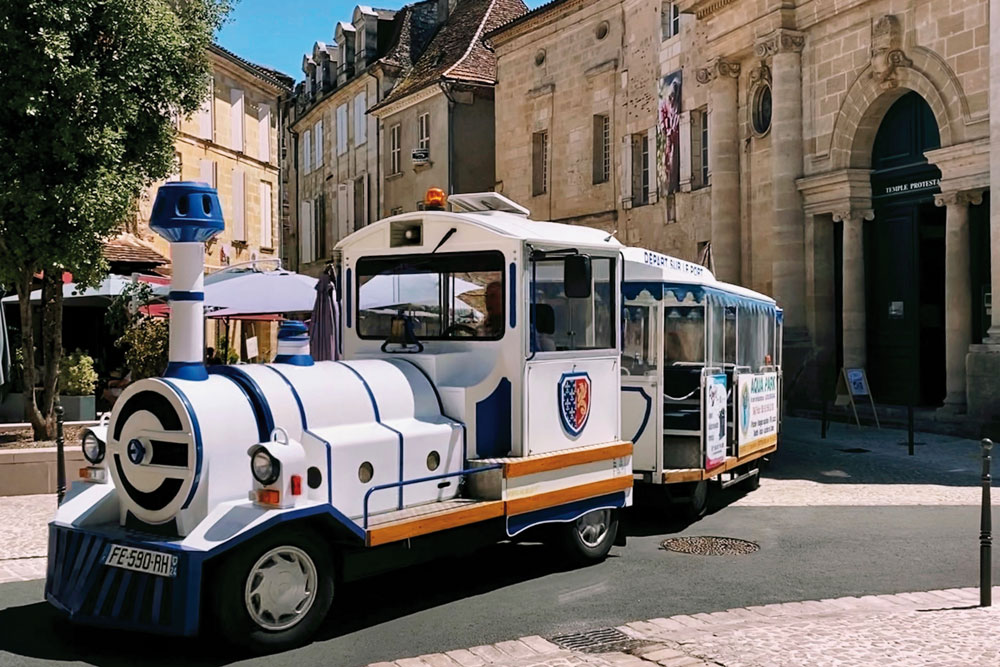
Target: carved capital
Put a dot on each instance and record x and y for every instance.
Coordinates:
(719, 67)
(859, 214)
(780, 41)
(761, 73)
(960, 198)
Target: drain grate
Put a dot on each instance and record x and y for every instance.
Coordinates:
(710, 546)
(855, 450)
(605, 640)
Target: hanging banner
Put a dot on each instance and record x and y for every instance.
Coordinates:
(668, 134)
(757, 404)
(715, 420)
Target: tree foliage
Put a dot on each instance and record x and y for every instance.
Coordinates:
(144, 339)
(89, 93)
(77, 376)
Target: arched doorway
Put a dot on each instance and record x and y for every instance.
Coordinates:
(905, 260)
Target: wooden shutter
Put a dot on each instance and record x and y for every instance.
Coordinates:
(307, 151)
(239, 205)
(206, 170)
(206, 128)
(264, 133)
(236, 119)
(318, 149)
(654, 185)
(266, 236)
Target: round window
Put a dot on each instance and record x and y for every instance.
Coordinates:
(760, 111)
(366, 472)
(433, 461)
(540, 57)
(602, 30)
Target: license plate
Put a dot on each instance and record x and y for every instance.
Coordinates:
(142, 560)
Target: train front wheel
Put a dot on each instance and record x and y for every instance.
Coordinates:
(274, 594)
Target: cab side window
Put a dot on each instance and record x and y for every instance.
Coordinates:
(560, 323)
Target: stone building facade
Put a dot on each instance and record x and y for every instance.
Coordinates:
(233, 144)
(833, 154)
(436, 124)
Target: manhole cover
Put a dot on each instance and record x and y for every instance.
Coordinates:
(710, 546)
(855, 450)
(605, 640)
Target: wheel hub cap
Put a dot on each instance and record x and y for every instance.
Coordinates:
(593, 527)
(281, 588)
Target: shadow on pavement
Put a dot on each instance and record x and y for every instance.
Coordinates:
(38, 631)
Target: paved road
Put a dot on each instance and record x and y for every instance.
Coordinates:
(896, 525)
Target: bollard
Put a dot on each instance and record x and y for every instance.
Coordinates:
(60, 455)
(909, 428)
(985, 532)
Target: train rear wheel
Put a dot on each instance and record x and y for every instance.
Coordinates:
(698, 503)
(274, 593)
(589, 538)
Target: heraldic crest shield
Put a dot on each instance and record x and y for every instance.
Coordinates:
(574, 401)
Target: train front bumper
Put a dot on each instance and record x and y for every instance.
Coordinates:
(80, 583)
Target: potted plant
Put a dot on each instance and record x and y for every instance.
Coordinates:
(77, 381)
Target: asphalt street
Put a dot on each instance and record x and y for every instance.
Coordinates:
(808, 550)
(510, 591)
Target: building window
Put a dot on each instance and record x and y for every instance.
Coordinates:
(640, 169)
(266, 236)
(670, 20)
(705, 173)
(760, 109)
(307, 151)
(360, 120)
(319, 227)
(539, 163)
(236, 119)
(318, 149)
(424, 131)
(602, 148)
(341, 129)
(395, 150)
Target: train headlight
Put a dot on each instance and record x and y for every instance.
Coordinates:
(93, 447)
(265, 468)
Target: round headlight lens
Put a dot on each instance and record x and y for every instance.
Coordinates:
(93, 448)
(265, 468)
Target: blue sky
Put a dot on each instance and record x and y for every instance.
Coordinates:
(277, 33)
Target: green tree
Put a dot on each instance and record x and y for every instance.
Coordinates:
(89, 94)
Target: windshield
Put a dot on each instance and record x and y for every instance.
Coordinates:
(447, 296)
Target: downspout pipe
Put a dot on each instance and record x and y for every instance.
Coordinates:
(451, 134)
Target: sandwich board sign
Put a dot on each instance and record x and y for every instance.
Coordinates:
(852, 384)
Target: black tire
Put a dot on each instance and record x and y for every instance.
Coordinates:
(753, 482)
(584, 543)
(227, 591)
(697, 504)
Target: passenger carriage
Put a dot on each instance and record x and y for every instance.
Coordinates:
(237, 496)
(701, 376)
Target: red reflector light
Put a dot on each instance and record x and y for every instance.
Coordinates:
(296, 485)
(268, 497)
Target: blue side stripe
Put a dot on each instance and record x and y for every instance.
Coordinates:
(255, 397)
(563, 513)
(513, 295)
(295, 395)
(198, 454)
(645, 417)
(181, 295)
(347, 298)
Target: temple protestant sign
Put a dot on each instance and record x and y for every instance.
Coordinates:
(907, 188)
(757, 407)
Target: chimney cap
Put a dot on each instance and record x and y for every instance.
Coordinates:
(187, 211)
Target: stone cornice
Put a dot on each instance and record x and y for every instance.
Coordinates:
(408, 101)
(718, 68)
(703, 9)
(780, 41)
(964, 166)
(845, 193)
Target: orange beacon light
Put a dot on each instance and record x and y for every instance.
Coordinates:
(435, 199)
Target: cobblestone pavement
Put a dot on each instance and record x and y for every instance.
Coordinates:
(940, 628)
(869, 466)
(23, 536)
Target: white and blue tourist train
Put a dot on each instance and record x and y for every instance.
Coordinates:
(480, 398)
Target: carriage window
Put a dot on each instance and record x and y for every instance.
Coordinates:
(638, 341)
(684, 335)
(561, 323)
(447, 296)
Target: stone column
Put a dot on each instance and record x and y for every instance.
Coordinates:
(957, 294)
(724, 164)
(784, 47)
(855, 329)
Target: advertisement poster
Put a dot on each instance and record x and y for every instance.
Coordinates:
(668, 133)
(758, 411)
(715, 420)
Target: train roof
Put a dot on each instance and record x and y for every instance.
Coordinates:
(500, 223)
(648, 266)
